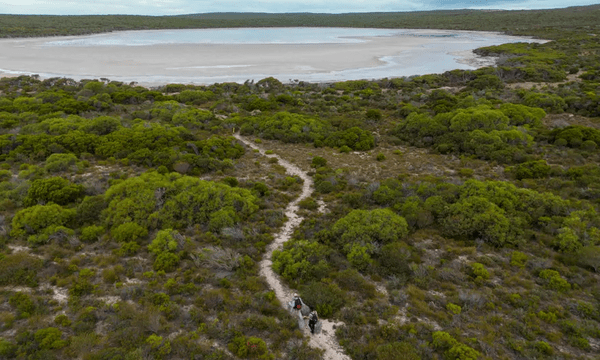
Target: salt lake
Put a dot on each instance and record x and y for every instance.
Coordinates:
(205, 56)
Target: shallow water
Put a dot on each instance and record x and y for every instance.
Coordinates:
(206, 56)
(240, 36)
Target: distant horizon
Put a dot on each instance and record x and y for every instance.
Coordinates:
(190, 7)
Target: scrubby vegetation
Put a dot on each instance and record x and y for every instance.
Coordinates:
(462, 215)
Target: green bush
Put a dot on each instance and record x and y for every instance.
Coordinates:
(327, 298)
(49, 338)
(345, 149)
(554, 281)
(286, 127)
(261, 189)
(318, 162)
(478, 217)
(221, 147)
(8, 350)
(302, 261)
(374, 114)
(354, 138)
(308, 204)
(220, 219)
(54, 189)
(231, 181)
(454, 349)
(575, 136)
(359, 257)
(568, 240)
(561, 142)
(462, 352)
(486, 82)
(19, 269)
(394, 259)
(62, 320)
(128, 248)
(42, 220)
(365, 226)
(165, 246)
(443, 340)
(380, 157)
(60, 162)
(196, 97)
(296, 128)
(23, 304)
(548, 316)
(160, 348)
(518, 258)
(164, 241)
(549, 102)
(186, 201)
(103, 125)
(453, 308)
(192, 118)
(532, 170)
(521, 115)
(325, 187)
(481, 131)
(589, 145)
(88, 212)
(128, 232)
(480, 272)
(91, 233)
(5, 175)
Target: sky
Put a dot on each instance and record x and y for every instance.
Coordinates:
(176, 7)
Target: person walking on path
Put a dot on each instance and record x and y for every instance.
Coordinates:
(296, 303)
(313, 318)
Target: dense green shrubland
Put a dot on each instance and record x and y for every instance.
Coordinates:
(110, 243)
(294, 128)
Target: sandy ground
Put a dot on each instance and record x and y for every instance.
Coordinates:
(326, 339)
(209, 63)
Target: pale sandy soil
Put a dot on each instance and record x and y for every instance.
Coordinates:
(209, 63)
(326, 339)
(529, 85)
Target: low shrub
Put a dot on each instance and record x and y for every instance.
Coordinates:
(19, 269)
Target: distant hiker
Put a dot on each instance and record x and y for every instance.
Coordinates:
(313, 319)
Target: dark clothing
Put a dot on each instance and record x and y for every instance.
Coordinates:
(297, 304)
(312, 321)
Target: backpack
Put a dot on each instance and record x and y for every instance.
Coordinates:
(298, 304)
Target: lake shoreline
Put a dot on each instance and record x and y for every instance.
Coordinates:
(412, 53)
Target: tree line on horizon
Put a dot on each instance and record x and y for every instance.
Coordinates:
(541, 23)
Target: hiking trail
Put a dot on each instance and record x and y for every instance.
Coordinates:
(326, 339)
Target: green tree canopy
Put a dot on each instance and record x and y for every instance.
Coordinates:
(366, 226)
(153, 200)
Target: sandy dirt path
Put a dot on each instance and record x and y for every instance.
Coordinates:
(326, 339)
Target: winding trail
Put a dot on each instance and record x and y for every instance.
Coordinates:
(326, 339)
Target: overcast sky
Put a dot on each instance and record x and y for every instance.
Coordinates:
(172, 7)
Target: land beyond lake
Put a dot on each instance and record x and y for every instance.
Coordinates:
(222, 55)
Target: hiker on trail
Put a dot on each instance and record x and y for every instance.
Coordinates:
(297, 303)
(313, 318)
